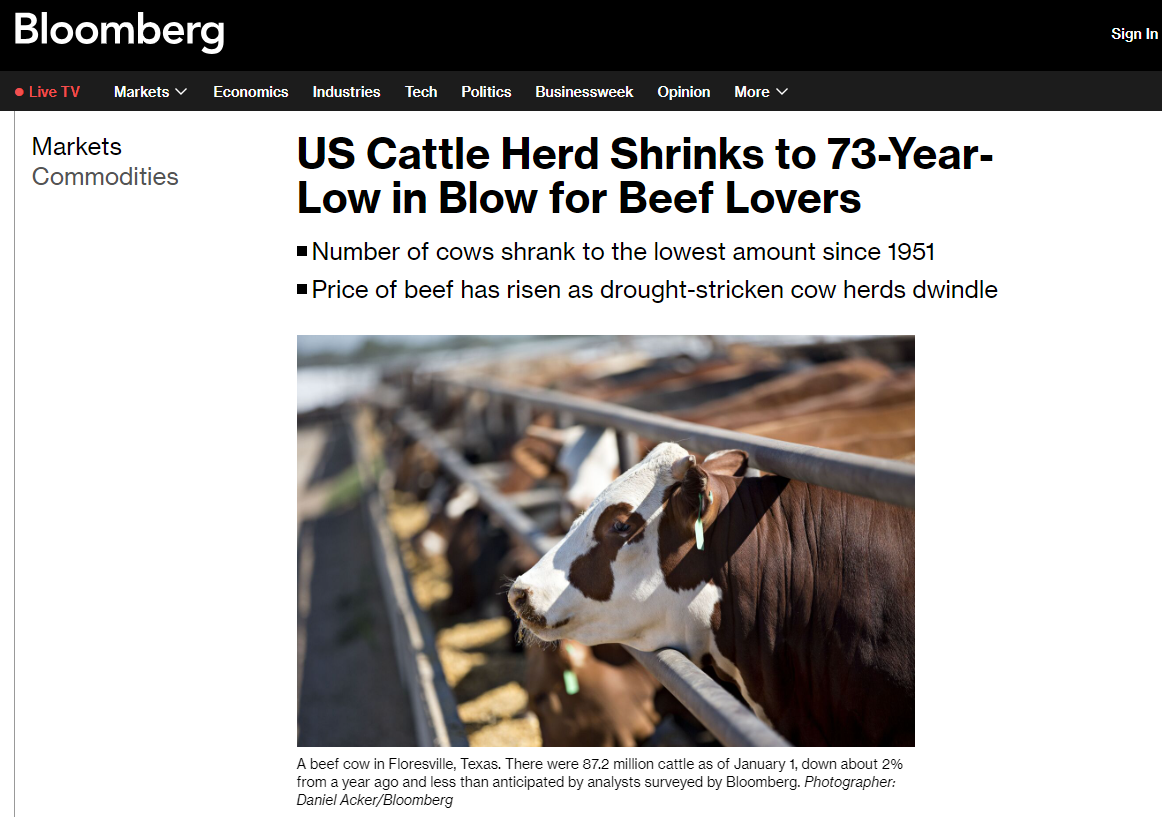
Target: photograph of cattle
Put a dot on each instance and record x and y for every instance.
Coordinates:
(606, 541)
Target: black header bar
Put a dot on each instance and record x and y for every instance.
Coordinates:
(242, 37)
(584, 90)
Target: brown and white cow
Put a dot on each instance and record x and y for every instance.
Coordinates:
(803, 596)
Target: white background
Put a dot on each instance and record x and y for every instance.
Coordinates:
(155, 432)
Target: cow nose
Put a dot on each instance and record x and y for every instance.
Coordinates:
(518, 597)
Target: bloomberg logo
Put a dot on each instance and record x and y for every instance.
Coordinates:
(29, 30)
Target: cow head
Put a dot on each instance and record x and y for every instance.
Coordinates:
(624, 572)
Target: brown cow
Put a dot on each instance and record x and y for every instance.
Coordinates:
(899, 389)
(810, 429)
(894, 445)
(802, 596)
(783, 391)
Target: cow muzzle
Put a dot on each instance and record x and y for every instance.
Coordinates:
(520, 600)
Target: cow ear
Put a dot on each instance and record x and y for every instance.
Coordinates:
(695, 482)
(680, 467)
(731, 463)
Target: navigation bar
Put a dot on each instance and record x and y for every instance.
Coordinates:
(585, 91)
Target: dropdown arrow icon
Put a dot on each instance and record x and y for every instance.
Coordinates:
(783, 90)
(183, 90)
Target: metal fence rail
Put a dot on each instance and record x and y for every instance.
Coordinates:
(885, 480)
(434, 714)
(726, 718)
(504, 512)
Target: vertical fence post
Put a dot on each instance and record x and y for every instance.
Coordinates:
(627, 450)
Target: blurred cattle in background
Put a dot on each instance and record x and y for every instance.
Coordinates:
(858, 405)
(758, 402)
(586, 457)
(416, 471)
(884, 432)
(760, 396)
(590, 696)
(674, 375)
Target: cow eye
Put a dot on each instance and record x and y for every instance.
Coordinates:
(621, 527)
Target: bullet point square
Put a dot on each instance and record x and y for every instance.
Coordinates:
(302, 289)
(302, 248)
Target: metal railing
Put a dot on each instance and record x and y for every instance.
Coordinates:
(434, 714)
(886, 480)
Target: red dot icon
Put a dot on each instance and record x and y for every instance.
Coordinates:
(20, 92)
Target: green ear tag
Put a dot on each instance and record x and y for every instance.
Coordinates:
(699, 534)
(571, 685)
